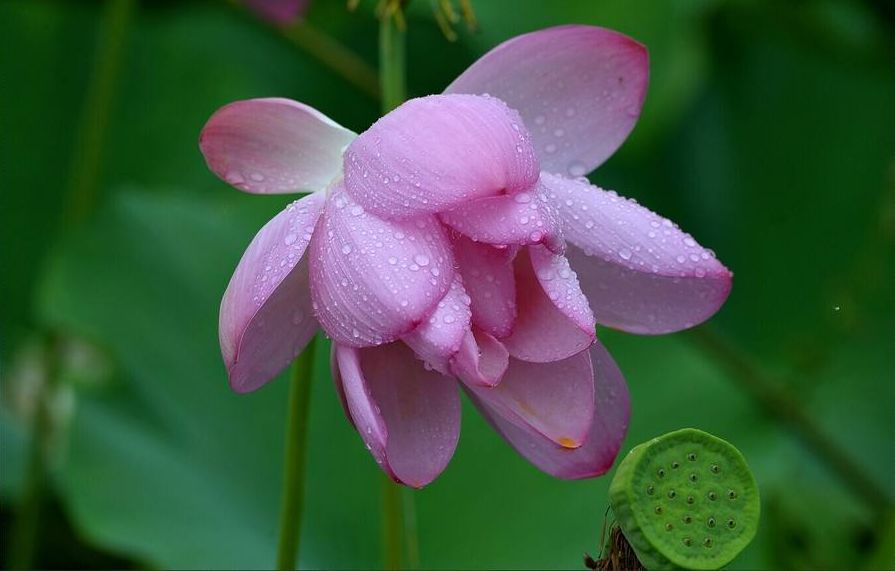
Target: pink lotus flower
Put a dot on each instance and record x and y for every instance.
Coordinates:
(455, 242)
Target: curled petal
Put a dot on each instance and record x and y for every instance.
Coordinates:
(640, 272)
(408, 417)
(488, 275)
(521, 219)
(555, 400)
(273, 146)
(440, 336)
(554, 320)
(481, 361)
(608, 427)
(436, 152)
(373, 280)
(579, 90)
(266, 317)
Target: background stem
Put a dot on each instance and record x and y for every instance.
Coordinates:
(83, 192)
(776, 401)
(295, 459)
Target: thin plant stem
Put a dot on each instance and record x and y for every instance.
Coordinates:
(399, 536)
(83, 191)
(295, 459)
(25, 531)
(392, 525)
(334, 55)
(391, 62)
(784, 408)
(330, 52)
(81, 200)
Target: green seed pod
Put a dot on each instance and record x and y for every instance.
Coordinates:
(687, 500)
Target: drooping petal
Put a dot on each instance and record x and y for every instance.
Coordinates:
(266, 317)
(408, 417)
(439, 337)
(488, 276)
(554, 320)
(556, 399)
(436, 152)
(481, 361)
(640, 272)
(579, 90)
(278, 11)
(521, 219)
(612, 411)
(273, 146)
(373, 280)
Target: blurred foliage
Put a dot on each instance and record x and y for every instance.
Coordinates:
(767, 133)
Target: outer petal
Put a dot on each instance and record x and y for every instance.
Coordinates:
(481, 361)
(554, 321)
(439, 337)
(640, 272)
(579, 90)
(373, 280)
(408, 417)
(488, 275)
(266, 317)
(436, 152)
(555, 400)
(521, 219)
(607, 430)
(272, 146)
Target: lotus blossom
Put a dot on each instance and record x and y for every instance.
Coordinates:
(455, 243)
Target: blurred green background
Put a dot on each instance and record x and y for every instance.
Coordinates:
(768, 132)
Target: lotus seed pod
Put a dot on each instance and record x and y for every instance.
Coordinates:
(687, 500)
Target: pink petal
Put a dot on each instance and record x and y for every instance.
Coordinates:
(579, 90)
(554, 320)
(612, 411)
(481, 361)
(373, 280)
(273, 146)
(488, 275)
(408, 417)
(437, 152)
(556, 399)
(266, 317)
(640, 272)
(439, 337)
(521, 219)
(278, 11)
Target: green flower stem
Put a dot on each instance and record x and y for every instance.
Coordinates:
(399, 537)
(391, 63)
(83, 191)
(785, 409)
(27, 524)
(295, 459)
(81, 200)
(334, 55)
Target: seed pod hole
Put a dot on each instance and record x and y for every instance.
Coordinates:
(710, 522)
(675, 464)
(708, 542)
(650, 490)
(715, 468)
(690, 499)
(687, 541)
(693, 477)
(712, 496)
(658, 509)
(660, 472)
(731, 524)
(672, 494)
(691, 457)
(731, 494)
(668, 527)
